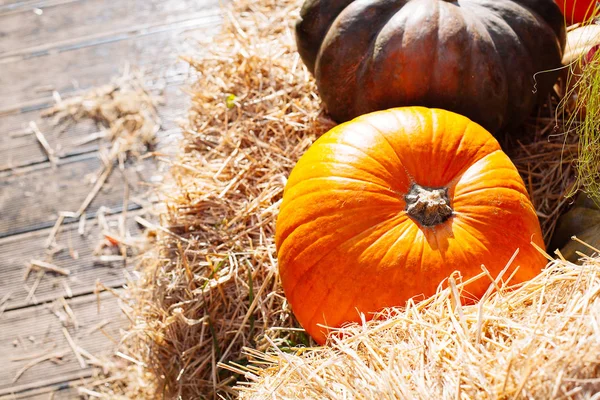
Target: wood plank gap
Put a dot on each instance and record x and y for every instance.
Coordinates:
(41, 325)
(45, 225)
(86, 270)
(43, 164)
(35, 167)
(28, 6)
(196, 20)
(62, 382)
(76, 155)
(49, 101)
(58, 390)
(79, 295)
(67, 224)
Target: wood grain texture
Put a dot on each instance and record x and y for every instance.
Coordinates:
(77, 257)
(33, 199)
(70, 46)
(19, 149)
(19, 6)
(56, 25)
(27, 84)
(37, 331)
(60, 391)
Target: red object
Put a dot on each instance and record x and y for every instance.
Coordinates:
(590, 54)
(576, 11)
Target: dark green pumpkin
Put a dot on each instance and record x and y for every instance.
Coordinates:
(583, 221)
(474, 57)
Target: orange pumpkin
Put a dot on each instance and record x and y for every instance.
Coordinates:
(384, 207)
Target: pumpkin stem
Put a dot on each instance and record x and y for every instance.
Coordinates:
(428, 206)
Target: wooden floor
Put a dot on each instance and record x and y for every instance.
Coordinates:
(68, 46)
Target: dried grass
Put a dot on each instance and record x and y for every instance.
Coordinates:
(126, 112)
(209, 287)
(125, 109)
(546, 164)
(540, 341)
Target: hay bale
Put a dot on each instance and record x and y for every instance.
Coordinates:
(210, 285)
(540, 341)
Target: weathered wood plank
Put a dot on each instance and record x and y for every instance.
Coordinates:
(61, 391)
(33, 198)
(19, 149)
(71, 46)
(23, 82)
(7, 6)
(36, 331)
(68, 24)
(11, 7)
(77, 256)
(16, 6)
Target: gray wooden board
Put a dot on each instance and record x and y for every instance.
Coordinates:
(70, 46)
(24, 82)
(60, 391)
(18, 149)
(16, 6)
(87, 268)
(32, 199)
(35, 330)
(58, 23)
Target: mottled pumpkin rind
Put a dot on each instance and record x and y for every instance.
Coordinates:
(477, 59)
(345, 242)
(582, 221)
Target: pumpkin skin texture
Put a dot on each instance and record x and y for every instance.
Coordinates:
(576, 11)
(473, 57)
(583, 221)
(345, 237)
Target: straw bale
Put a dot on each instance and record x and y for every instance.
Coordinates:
(539, 341)
(209, 287)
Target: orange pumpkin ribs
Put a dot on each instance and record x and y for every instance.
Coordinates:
(384, 207)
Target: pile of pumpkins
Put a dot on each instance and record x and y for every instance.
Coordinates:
(412, 185)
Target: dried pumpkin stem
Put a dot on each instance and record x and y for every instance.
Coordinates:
(429, 206)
